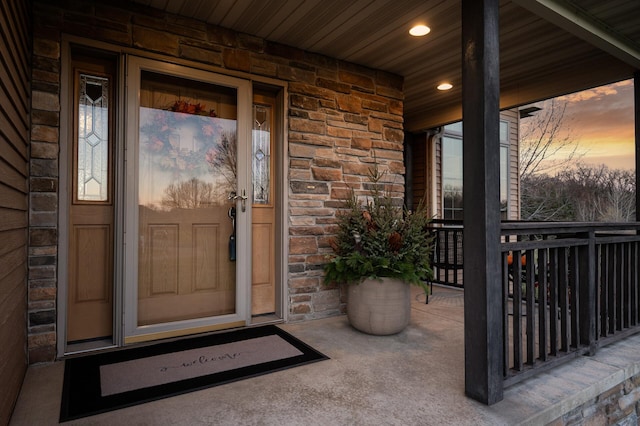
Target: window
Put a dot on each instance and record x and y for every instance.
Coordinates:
(504, 169)
(452, 171)
(92, 149)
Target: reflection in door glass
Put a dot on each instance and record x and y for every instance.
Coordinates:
(187, 168)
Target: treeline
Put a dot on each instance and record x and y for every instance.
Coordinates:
(581, 194)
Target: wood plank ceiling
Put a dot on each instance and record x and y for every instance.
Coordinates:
(543, 53)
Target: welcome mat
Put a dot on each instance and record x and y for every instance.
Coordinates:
(109, 381)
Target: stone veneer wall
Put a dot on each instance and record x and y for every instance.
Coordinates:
(339, 115)
(620, 406)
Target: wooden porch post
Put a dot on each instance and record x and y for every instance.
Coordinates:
(636, 102)
(483, 334)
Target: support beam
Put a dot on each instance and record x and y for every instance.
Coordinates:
(483, 331)
(579, 23)
(636, 102)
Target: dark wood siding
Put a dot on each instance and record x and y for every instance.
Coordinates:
(15, 49)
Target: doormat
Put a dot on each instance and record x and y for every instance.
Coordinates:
(108, 381)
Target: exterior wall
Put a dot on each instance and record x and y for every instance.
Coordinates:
(512, 117)
(619, 405)
(339, 115)
(15, 29)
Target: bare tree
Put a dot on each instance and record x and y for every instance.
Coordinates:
(544, 136)
(223, 159)
(545, 198)
(190, 194)
(617, 203)
(584, 194)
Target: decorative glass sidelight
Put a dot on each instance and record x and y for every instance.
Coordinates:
(187, 169)
(92, 155)
(261, 157)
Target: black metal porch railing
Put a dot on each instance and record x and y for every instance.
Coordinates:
(447, 252)
(568, 288)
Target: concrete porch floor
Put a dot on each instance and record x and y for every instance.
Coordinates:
(413, 378)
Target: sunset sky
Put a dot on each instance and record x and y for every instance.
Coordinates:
(601, 120)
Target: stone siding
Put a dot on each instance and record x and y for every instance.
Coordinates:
(341, 116)
(618, 406)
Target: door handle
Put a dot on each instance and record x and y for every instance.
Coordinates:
(243, 199)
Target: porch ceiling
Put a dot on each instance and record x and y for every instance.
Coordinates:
(547, 47)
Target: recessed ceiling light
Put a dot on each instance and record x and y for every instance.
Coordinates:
(444, 86)
(419, 30)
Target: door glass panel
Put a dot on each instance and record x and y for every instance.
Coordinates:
(92, 153)
(187, 169)
(261, 157)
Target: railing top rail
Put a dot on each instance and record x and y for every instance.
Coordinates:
(540, 244)
(522, 228)
(446, 223)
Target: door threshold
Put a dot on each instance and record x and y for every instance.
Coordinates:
(88, 346)
(265, 319)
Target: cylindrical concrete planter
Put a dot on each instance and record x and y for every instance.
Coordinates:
(379, 306)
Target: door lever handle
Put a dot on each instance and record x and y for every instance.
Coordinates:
(243, 199)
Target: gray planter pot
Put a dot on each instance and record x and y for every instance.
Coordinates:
(379, 307)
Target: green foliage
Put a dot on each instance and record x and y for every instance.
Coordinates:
(379, 239)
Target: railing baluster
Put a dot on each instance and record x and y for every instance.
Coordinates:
(530, 298)
(563, 291)
(619, 291)
(574, 296)
(627, 284)
(611, 286)
(447, 251)
(517, 311)
(553, 303)
(543, 270)
(455, 256)
(505, 311)
(633, 267)
(598, 289)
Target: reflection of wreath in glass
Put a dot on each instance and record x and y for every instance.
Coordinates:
(161, 130)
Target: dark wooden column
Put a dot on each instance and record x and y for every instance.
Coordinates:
(481, 186)
(636, 102)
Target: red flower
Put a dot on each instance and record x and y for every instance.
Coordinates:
(395, 241)
(367, 216)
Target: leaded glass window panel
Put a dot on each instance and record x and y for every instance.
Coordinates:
(261, 154)
(93, 139)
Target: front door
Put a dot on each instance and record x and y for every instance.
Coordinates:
(187, 217)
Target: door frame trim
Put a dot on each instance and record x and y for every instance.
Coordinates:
(282, 240)
(64, 196)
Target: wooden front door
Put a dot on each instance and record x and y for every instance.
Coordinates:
(91, 219)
